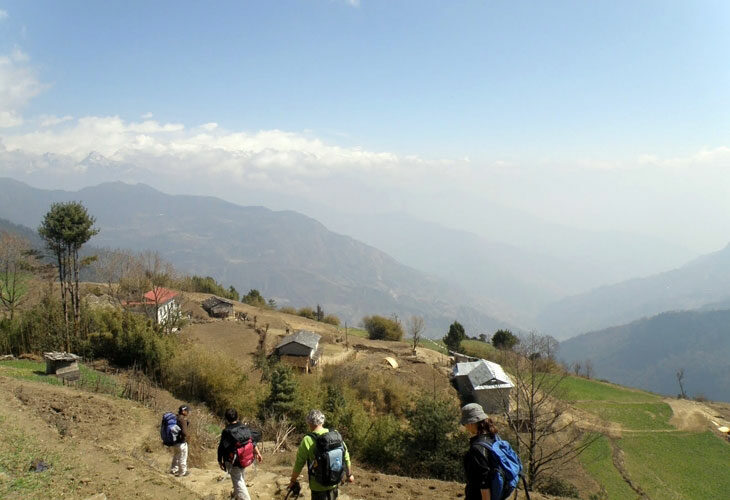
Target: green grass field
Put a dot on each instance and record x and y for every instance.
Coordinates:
(434, 345)
(634, 416)
(35, 371)
(581, 389)
(679, 465)
(667, 465)
(598, 462)
(477, 349)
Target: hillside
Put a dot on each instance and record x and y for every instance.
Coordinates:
(648, 353)
(285, 255)
(705, 280)
(502, 260)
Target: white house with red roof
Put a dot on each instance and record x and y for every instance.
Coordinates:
(159, 303)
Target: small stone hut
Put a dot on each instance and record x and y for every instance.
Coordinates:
(217, 307)
(63, 365)
(300, 349)
(483, 382)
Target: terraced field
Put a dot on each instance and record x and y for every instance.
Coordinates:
(651, 458)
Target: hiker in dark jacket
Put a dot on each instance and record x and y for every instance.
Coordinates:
(179, 465)
(235, 434)
(479, 468)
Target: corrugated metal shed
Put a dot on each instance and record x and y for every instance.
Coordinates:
(302, 337)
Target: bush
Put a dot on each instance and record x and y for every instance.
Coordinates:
(306, 312)
(288, 310)
(553, 485)
(455, 336)
(331, 319)
(196, 374)
(438, 458)
(254, 298)
(282, 399)
(208, 285)
(504, 339)
(380, 328)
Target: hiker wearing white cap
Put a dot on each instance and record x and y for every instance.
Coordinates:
(179, 466)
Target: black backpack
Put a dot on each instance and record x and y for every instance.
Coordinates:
(328, 466)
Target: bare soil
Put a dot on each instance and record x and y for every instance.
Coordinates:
(109, 445)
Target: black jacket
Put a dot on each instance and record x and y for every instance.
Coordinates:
(232, 434)
(479, 468)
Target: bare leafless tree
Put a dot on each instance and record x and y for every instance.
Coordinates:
(577, 367)
(680, 378)
(537, 417)
(113, 267)
(415, 328)
(16, 266)
(588, 368)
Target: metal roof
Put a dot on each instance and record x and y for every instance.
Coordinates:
(304, 337)
(483, 374)
(214, 301)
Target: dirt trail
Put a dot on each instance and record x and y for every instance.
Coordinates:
(102, 444)
(688, 415)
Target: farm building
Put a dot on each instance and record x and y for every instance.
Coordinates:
(217, 307)
(299, 349)
(63, 365)
(160, 304)
(483, 382)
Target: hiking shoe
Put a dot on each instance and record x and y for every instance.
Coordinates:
(183, 474)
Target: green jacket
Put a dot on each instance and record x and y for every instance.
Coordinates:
(305, 455)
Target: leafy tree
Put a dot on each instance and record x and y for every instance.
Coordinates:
(331, 319)
(381, 328)
(65, 229)
(16, 265)
(233, 293)
(319, 313)
(455, 336)
(282, 398)
(433, 442)
(254, 298)
(306, 312)
(504, 339)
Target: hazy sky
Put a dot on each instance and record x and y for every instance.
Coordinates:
(602, 115)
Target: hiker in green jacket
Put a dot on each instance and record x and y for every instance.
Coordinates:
(337, 466)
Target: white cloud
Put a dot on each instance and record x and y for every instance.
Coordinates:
(52, 120)
(18, 85)
(147, 115)
(3, 14)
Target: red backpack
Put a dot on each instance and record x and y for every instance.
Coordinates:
(244, 452)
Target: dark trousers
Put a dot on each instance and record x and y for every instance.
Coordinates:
(325, 495)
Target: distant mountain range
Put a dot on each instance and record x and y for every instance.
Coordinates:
(284, 254)
(704, 281)
(649, 352)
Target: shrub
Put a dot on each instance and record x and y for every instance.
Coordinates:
(196, 374)
(282, 398)
(455, 336)
(306, 312)
(380, 328)
(504, 339)
(254, 298)
(553, 485)
(288, 310)
(439, 458)
(383, 445)
(331, 319)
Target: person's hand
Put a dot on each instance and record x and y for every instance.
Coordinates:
(258, 455)
(222, 466)
(292, 482)
(350, 478)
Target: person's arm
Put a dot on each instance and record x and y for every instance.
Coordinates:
(183, 424)
(348, 465)
(486, 495)
(302, 455)
(221, 454)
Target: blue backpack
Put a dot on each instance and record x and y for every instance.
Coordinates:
(328, 466)
(509, 467)
(169, 430)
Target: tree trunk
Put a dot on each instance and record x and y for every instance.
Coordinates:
(77, 298)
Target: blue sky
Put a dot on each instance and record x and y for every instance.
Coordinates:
(439, 79)
(607, 115)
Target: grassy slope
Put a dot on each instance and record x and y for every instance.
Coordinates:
(656, 460)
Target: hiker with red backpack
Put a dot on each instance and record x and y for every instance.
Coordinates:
(237, 450)
(327, 459)
(174, 433)
(491, 466)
